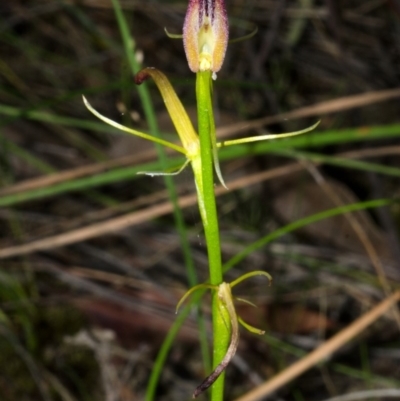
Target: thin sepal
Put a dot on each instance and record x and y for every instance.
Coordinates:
(236, 40)
(245, 37)
(251, 274)
(191, 291)
(173, 35)
(266, 137)
(130, 130)
(245, 301)
(249, 327)
(165, 173)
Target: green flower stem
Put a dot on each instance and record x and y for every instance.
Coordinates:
(210, 217)
(208, 210)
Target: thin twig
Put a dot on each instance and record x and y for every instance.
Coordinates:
(319, 109)
(134, 218)
(364, 395)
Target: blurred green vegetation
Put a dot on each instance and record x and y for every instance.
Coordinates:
(62, 171)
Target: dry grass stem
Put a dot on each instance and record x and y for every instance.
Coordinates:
(138, 217)
(357, 227)
(322, 352)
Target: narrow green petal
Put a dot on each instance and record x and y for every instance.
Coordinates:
(213, 137)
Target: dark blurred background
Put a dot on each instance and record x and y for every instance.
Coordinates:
(84, 320)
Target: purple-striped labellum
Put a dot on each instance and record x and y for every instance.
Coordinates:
(205, 35)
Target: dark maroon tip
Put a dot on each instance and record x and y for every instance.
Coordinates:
(141, 76)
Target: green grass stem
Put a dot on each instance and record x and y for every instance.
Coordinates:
(129, 173)
(302, 223)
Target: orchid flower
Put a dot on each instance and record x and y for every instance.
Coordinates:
(205, 38)
(205, 35)
(226, 306)
(187, 134)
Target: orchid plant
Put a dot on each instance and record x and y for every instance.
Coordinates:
(205, 39)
